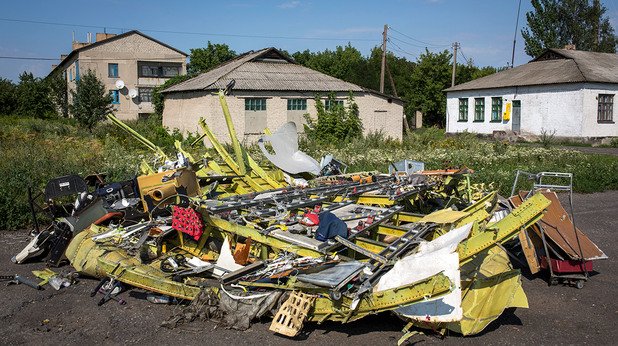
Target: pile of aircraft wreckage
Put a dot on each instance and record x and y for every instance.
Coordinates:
(305, 241)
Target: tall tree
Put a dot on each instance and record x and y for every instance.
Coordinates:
(33, 97)
(59, 94)
(8, 103)
(429, 78)
(556, 23)
(90, 101)
(204, 59)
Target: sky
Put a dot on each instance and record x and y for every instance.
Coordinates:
(484, 28)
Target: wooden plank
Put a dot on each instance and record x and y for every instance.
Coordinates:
(529, 251)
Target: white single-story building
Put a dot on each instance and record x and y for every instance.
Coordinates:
(566, 92)
(271, 89)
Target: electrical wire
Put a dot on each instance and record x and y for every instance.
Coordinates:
(183, 32)
(416, 40)
(408, 43)
(463, 56)
(401, 50)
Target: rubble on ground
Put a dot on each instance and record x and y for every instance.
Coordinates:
(302, 241)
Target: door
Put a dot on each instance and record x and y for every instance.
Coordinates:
(516, 116)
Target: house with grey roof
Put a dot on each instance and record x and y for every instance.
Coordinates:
(567, 92)
(271, 89)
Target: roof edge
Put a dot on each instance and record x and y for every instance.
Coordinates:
(107, 40)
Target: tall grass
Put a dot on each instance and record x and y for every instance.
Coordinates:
(32, 151)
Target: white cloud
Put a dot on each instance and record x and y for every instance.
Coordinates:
(289, 5)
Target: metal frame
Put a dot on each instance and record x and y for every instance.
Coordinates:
(538, 184)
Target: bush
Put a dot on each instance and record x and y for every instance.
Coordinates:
(157, 96)
(336, 125)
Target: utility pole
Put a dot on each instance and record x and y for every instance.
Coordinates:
(384, 38)
(597, 24)
(455, 47)
(515, 37)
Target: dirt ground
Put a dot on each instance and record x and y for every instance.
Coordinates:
(557, 314)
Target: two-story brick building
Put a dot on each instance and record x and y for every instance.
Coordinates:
(129, 64)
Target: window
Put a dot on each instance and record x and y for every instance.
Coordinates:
(145, 94)
(158, 69)
(606, 108)
(71, 75)
(112, 70)
(479, 109)
(330, 104)
(76, 70)
(297, 105)
(255, 104)
(496, 109)
(115, 97)
(463, 109)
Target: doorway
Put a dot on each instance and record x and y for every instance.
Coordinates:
(516, 121)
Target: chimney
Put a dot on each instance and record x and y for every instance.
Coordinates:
(103, 36)
(570, 47)
(63, 56)
(77, 45)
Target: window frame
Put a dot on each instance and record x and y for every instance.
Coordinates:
(328, 106)
(496, 109)
(463, 109)
(115, 96)
(158, 69)
(255, 104)
(606, 115)
(140, 90)
(297, 104)
(479, 116)
(109, 70)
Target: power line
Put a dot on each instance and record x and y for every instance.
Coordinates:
(416, 40)
(408, 43)
(462, 54)
(401, 50)
(182, 32)
(85, 60)
(27, 58)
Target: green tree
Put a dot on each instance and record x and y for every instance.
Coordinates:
(429, 78)
(59, 94)
(338, 124)
(33, 97)
(204, 59)
(8, 103)
(345, 63)
(554, 24)
(157, 96)
(90, 101)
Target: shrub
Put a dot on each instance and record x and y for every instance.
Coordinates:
(336, 125)
(547, 137)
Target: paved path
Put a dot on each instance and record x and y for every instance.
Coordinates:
(593, 150)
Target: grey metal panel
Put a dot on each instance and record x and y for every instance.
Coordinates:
(333, 276)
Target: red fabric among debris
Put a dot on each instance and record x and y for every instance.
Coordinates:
(187, 220)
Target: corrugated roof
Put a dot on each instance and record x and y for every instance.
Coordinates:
(555, 66)
(266, 69)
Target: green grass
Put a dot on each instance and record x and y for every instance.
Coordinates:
(32, 151)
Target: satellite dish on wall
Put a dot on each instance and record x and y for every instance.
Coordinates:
(132, 93)
(119, 84)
